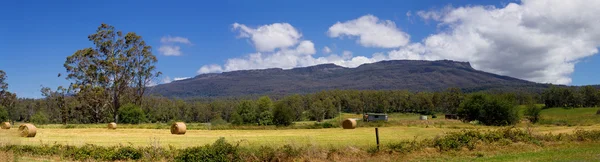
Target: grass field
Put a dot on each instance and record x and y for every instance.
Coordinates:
(401, 127)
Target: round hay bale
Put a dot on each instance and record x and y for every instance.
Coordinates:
(349, 124)
(112, 125)
(5, 125)
(423, 117)
(178, 128)
(27, 130)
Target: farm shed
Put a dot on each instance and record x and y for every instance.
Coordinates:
(375, 117)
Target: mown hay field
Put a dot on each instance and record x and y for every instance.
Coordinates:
(401, 127)
(331, 137)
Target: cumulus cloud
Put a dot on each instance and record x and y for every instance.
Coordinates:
(539, 41)
(535, 40)
(170, 45)
(169, 50)
(267, 38)
(326, 50)
(295, 53)
(180, 78)
(170, 39)
(371, 32)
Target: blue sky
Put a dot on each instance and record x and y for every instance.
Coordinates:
(37, 36)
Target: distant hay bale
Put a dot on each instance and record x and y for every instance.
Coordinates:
(423, 117)
(112, 125)
(5, 125)
(27, 130)
(349, 124)
(178, 128)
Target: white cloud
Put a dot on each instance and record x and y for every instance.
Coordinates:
(286, 56)
(371, 32)
(170, 45)
(213, 68)
(166, 80)
(169, 39)
(535, 40)
(268, 38)
(326, 50)
(180, 78)
(169, 50)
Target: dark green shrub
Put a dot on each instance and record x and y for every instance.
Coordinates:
(266, 153)
(290, 151)
(218, 121)
(499, 112)
(127, 153)
(131, 114)
(489, 110)
(218, 151)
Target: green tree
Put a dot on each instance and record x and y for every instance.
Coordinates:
(452, 98)
(132, 114)
(471, 108)
(3, 84)
(39, 118)
(489, 110)
(589, 96)
(264, 111)
(283, 115)
(499, 112)
(120, 65)
(3, 114)
(317, 110)
(247, 112)
(58, 99)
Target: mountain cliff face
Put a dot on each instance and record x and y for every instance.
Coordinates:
(385, 75)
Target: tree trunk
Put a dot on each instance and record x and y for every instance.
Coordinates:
(116, 106)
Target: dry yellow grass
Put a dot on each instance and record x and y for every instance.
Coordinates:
(333, 137)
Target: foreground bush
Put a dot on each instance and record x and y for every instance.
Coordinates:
(218, 151)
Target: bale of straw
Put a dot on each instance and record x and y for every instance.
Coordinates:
(112, 125)
(27, 130)
(349, 123)
(178, 128)
(5, 125)
(423, 117)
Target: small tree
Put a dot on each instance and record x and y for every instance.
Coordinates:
(533, 113)
(282, 115)
(132, 114)
(498, 111)
(489, 110)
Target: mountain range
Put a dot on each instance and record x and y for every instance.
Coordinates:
(412, 75)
